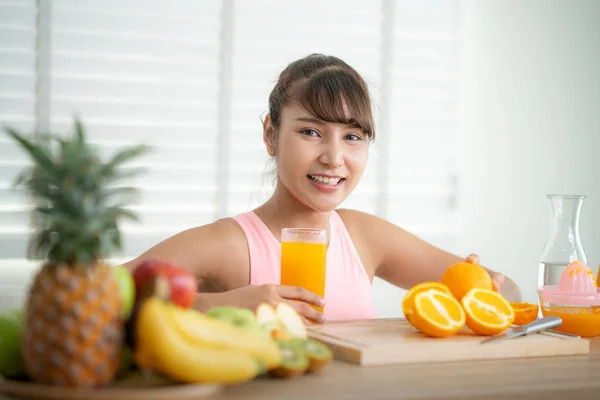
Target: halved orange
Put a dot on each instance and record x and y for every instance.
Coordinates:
(524, 312)
(409, 298)
(488, 312)
(437, 314)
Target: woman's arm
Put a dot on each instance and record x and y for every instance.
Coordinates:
(217, 255)
(404, 260)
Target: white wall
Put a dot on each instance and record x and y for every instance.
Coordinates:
(532, 127)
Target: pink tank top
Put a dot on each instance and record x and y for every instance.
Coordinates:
(347, 285)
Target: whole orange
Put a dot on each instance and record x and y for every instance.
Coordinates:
(462, 277)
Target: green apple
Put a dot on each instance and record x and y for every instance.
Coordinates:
(12, 324)
(237, 316)
(126, 288)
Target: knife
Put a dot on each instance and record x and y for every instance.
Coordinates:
(536, 326)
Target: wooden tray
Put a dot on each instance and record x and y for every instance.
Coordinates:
(135, 386)
(395, 341)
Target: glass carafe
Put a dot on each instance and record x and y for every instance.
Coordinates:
(564, 244)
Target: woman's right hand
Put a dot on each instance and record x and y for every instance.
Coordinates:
(252, 296)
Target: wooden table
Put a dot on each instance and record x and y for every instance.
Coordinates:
(548, 378)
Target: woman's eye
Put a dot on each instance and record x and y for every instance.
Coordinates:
(309, 132)
(353, 137)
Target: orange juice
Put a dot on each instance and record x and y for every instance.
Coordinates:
(303, 261)
(584, 322)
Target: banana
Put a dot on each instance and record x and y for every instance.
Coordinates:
(161, 347)
(217, 334)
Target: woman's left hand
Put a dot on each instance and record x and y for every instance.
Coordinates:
(497, 277)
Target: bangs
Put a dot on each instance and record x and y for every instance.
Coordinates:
(334, 95)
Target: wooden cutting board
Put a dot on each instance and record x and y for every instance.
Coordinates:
(395, 341)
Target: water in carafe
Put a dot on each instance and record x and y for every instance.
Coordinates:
(564, 244)
(549, 273)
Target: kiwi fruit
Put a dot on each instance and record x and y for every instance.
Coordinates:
(294, 361)
(319, 355)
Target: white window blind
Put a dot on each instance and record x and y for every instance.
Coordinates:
(17, 109)
(423, 118)
(144, 71)
(192, 78)
(421, 88)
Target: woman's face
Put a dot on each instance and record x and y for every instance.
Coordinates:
(318, 162)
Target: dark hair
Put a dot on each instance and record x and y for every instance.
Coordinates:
(326, 87)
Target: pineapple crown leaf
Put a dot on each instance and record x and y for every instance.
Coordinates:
(119, 211)
(109, 169)
(77, 210)
(39, 154)
(79, 130)
(41, 243)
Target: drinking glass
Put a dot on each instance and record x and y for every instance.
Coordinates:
(303, 259)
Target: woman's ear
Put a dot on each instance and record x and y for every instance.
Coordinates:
(269, 135)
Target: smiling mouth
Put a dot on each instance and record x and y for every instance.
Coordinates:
(323, 180)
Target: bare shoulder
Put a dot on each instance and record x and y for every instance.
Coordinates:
(354, 217)
(369, 225)
(216, 252)
(373, 227)
(381, 237)
(223, 239)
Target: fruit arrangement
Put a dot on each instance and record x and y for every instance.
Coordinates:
(89, 324)
(464, 296)
(226, 345)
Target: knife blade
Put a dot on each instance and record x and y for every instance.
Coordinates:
(536, 326)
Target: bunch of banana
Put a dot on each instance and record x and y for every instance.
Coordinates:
(188, 346)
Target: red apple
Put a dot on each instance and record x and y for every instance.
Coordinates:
(182, 283)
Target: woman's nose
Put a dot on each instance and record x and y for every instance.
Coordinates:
(332, 156)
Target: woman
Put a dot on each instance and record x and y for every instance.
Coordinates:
(318, 130)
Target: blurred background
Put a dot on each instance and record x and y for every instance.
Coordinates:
(482, 108)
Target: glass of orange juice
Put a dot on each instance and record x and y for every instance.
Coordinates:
(303, 259)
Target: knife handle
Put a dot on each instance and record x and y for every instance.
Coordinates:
(542, 324)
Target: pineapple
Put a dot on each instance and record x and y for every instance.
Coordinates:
(74, 325)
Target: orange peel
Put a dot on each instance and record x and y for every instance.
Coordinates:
(524, 312)
(462, 277)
